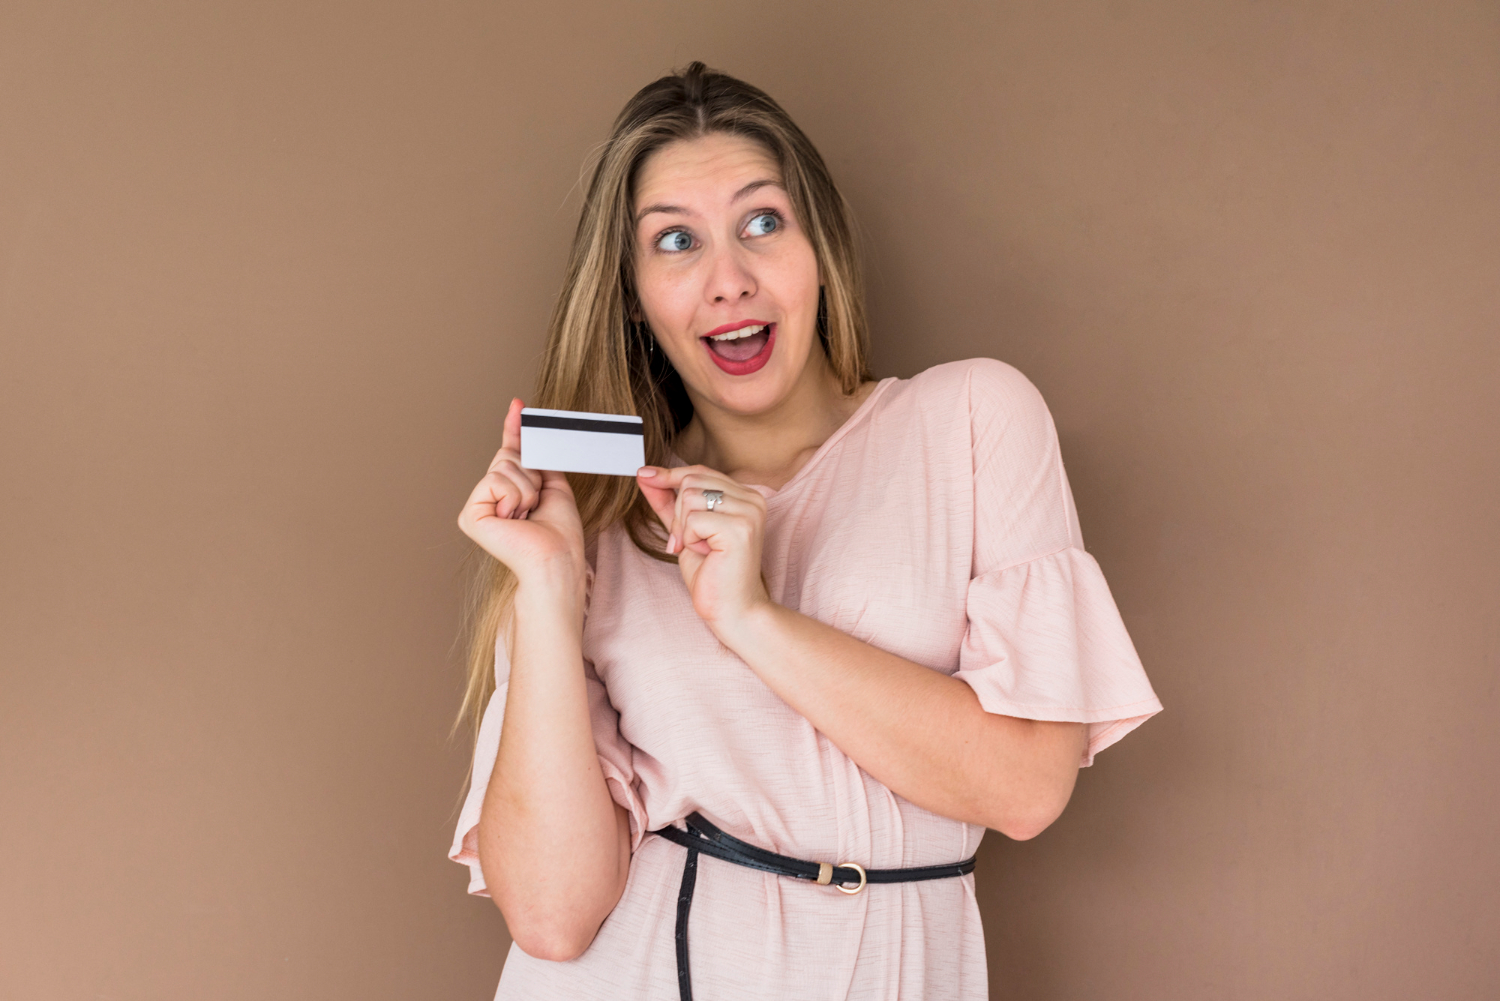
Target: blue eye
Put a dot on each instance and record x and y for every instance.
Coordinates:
(764, 223)
(675, 241)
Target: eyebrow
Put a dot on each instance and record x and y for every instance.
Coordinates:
(753, 186)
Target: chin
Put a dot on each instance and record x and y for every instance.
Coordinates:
(750, 395)
(746, 384)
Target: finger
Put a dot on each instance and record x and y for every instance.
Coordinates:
(696, 499)
(506, 455)
(718, 532)
(690, 486)
(675, 543)
(662, 497)
(530, 492)
(729, 497)
(696, 483)
(672, 478)
(510, 437)
(677, 513)
(680, 478)
(691, 499)
(495, 496)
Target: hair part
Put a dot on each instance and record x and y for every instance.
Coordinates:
(599, 358)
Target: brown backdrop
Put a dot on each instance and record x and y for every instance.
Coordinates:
(270, 271)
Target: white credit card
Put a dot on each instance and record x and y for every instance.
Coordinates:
(571, 441)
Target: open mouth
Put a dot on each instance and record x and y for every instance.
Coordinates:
(741, 348)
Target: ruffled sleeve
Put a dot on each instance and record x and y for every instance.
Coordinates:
(1044, 638)
(615, 760)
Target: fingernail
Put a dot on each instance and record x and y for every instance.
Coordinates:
(672, 543)
(646, 472)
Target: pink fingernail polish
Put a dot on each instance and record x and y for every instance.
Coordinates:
(671, 544)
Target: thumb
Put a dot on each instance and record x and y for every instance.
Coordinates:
(556, 480)
(663, 499)
(510, 435)
(556, 490)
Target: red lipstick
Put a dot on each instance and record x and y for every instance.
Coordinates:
(746, 365)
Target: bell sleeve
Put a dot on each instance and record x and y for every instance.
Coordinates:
(615, 760)
(1044, 639)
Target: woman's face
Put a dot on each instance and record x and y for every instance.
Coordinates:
(727, 279)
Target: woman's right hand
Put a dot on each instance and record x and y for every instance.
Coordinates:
(526, 518)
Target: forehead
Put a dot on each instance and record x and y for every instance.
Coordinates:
(706, 170)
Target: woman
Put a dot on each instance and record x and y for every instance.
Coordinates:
(881, 636)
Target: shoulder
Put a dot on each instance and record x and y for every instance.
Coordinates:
(987, 389)
(974, 412)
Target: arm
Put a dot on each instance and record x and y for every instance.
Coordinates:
(553, 844)
(918, 731)
(921, 733)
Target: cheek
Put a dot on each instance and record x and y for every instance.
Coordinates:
(796, 285)
(668, 300)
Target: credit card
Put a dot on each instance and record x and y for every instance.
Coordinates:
(571, 441)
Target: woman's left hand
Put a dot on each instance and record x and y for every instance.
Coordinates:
(718, 551)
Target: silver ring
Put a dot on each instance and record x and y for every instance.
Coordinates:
(712, 498)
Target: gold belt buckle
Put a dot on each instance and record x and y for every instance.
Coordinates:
(825, 876)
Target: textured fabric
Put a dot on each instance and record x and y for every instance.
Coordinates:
(937, 523)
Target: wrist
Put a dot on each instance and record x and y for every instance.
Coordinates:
(752, 626)
(552, 591)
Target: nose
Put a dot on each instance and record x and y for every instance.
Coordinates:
(729, 277)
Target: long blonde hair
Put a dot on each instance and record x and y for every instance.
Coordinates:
(598, 358)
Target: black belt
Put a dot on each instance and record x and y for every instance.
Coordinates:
(702, 836)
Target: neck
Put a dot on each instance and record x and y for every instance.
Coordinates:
(768, 448)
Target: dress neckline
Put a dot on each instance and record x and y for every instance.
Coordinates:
(854, 419)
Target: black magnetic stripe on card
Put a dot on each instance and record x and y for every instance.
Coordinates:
(582, 424)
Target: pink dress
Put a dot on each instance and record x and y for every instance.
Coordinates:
(937, 523)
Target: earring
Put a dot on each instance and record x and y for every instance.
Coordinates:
(644, 332)
(821, 325)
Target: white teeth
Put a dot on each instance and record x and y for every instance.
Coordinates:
(735, 335)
